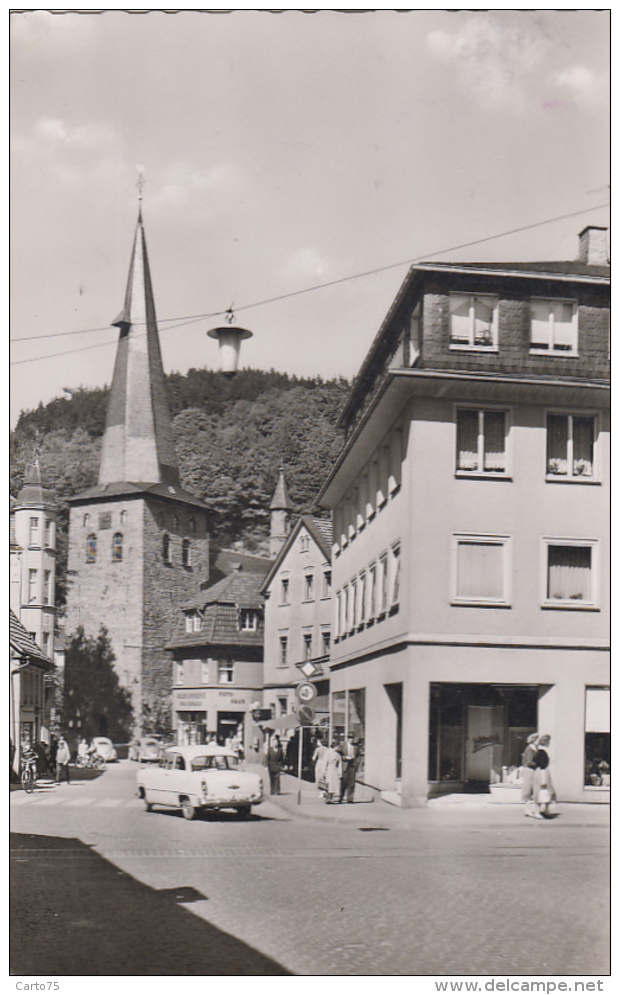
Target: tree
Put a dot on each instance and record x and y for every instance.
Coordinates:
(157, 716)
(94, 703)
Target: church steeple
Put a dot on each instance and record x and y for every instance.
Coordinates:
(281, 508)
(138, 444)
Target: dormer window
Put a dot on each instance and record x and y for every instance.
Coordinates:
(189, 623)
(248, 620)
(473, 321)
(554, 326)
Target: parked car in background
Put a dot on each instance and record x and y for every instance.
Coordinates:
(194, 778)
(149, 749)
(105, 749)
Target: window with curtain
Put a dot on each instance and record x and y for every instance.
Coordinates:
(481, 574)
(553, 326)
(473, 321)
(308, 587)
(569, 574)
(480, 441)
(570, 445)
(225, 671)
(598, 737)
(117, 547)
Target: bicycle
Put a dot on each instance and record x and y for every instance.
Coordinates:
(29, 772)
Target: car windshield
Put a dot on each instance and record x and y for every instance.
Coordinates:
(215, 763)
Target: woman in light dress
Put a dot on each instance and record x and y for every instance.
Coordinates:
(318, 759)
(544, 792)
(333, 771)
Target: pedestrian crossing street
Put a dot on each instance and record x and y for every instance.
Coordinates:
(45, 800)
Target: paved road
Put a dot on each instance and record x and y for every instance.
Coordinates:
(102, 887)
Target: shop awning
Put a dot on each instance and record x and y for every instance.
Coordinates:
(283, 722)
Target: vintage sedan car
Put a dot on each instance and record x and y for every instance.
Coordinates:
(105, 749)
(149, 750)
(194, 778)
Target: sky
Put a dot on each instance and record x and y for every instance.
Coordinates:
(282, 151)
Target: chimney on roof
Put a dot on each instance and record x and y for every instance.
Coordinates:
(593, 246)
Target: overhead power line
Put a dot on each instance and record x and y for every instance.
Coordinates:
(189, 319)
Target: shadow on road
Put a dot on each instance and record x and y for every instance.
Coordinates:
(75, 913)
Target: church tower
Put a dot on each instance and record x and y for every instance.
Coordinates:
(281, 509)
(138, 543)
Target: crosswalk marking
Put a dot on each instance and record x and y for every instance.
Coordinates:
(56, 800)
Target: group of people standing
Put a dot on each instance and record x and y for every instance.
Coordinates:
(335, 768)
(537, 791)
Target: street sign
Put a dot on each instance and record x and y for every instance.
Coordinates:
(309, 669)
(305, 714)
(306, 691)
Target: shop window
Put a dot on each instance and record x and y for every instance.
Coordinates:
(225, 671)
(91, 548)
(308, 587)
(445, 737)
(554, 326)
(597, 771)
(283, 660)
(339, 715)
(569, 581)
(482, 570)
(480, 441)
(34, 532)
(570, 446)
(165, 548)
(117, 547)
(327, 583)
(284, 591)
(473, 321)
(186, 553)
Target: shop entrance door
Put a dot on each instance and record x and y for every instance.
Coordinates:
(227, 725)
(395, 694)
(485, 734)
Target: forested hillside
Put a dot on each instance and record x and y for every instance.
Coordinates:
(231, 437)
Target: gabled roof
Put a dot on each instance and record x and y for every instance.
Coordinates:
(321, 531)
(219, 607)
(24, 645)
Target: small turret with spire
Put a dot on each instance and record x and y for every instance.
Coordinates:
(281, 508)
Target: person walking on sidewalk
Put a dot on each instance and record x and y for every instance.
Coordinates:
(544, 792)
(350, 753)
(318, 759)
(528, 766)
(63, 757)
(332, 770)
(274, 764)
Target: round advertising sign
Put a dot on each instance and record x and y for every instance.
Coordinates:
(306, 691)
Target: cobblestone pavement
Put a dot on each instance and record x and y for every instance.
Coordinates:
(439, 891)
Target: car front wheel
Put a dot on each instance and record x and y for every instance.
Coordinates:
(187, 809)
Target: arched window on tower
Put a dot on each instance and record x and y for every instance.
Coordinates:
(186, 554)
(123, 516)
(165, 548)
(91, 548)
(117, 547)
(86, 520)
